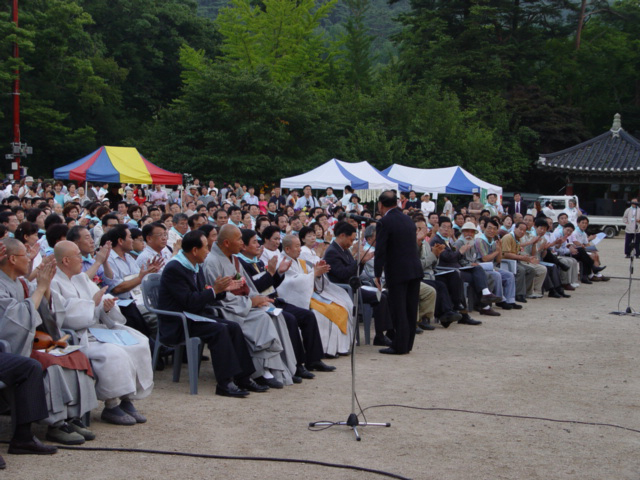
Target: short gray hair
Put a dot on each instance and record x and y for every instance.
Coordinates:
(369, 232)
(287, 241)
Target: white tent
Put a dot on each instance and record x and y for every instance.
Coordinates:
(454, 180)
(363, 177)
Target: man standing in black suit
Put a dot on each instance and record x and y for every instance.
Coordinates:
(517, 206)
(396, 254)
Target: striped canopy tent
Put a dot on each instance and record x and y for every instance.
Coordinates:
(365, 179)
(116, 165)
(441, 180)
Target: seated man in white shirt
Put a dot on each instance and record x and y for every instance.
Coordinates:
(581, 241)
(127, 276)
(155, 237)
(179, 229)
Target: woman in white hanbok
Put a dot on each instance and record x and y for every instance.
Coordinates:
(302, 288)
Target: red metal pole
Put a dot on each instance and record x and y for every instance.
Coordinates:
(16, 98)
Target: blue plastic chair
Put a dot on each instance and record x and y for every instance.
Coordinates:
(150, 288)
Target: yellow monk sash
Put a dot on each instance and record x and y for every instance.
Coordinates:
(334, 312)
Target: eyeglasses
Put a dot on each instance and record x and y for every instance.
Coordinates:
(161, 235)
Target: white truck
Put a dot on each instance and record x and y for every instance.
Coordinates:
(609, 225)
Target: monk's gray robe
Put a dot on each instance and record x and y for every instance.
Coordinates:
(267, 347)
(69, 393)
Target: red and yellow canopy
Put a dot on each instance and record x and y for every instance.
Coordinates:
(116, 165)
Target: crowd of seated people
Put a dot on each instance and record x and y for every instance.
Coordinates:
(270, 268)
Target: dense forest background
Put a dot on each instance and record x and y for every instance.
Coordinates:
(257, 90)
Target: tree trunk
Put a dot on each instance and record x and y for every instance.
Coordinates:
(583, 9)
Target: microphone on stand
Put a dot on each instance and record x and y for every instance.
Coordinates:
(360, 218)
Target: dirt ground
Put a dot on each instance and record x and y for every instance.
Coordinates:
(558, 359)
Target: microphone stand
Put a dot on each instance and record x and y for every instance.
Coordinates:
(352, 420)
(629, 310)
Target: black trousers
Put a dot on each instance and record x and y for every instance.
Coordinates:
(24, 375)
(455, 287)
(229, 352)
(443, 301)
(135, 319)
(301, 321)
(403, 305)
(630, 238)
(381, 314)
(585, 260)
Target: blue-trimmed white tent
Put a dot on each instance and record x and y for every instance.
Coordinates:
(454, 180)
(362, 176)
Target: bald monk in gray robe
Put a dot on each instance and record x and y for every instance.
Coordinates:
(266, 346)
(69, 393)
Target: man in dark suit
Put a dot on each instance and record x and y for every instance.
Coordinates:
(344, 267)
(23, 376)
(183, 289)
(517, 206)
(397, 256)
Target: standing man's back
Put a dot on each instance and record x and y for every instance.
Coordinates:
(396, 254)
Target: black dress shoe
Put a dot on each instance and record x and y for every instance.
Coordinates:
(467, 320)
(320, 366)
(504, 305)
(230, 390)
(302, 372)
(252, 386)
(419, 331)
(521, 299)
(515, 306)
(31, 447)
(426, 326)
(554, 294)
(3, 464)
(388, 351)
(330, 357)
(598, 269)
(269, 382)
(448, 318)
(382, 341)
(586, 280)
(295, 379)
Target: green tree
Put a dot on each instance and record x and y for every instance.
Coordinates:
(68, 88)
(484, 45)
(145, 36)
(357, 43)
(232, 123)
(278, 36)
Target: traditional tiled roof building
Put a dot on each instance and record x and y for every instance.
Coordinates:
(610, 158)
